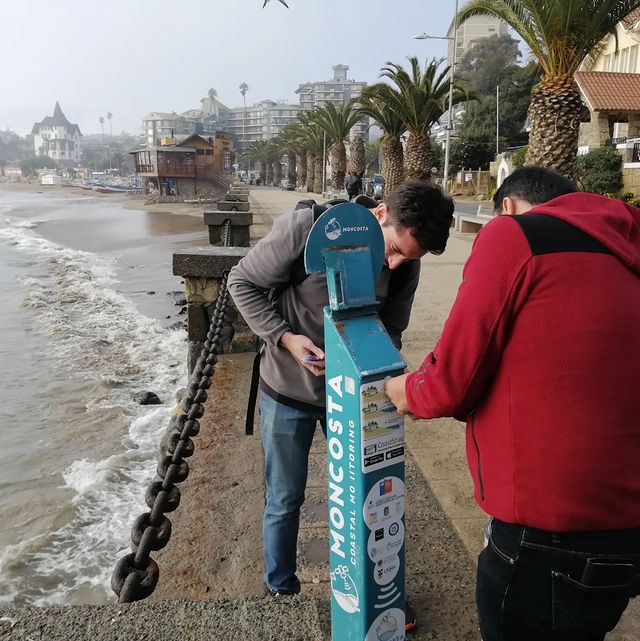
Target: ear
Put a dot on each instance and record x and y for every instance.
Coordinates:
(509, 206)
(381, 212)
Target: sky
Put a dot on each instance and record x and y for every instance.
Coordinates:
(131, 57)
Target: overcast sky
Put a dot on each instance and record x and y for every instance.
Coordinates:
(131, 57)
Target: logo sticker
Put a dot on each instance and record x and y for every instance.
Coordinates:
(332, 229)
(344, 590)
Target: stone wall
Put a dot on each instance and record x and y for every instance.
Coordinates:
(631, 180)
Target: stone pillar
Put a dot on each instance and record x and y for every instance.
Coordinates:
(633, 130)
(601, 130)
(240, 226)
(202, 270)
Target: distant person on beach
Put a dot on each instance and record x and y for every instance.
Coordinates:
(415, 220)
(541, 356)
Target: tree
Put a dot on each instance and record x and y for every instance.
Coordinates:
(484, 63)
(372, 156)
(421, 99)
(561, 35)
(244, 87)
(337, 121)
(313, 141)
(101, 121)
(260, 150)
(109, 116)
(378, 102)
(357, 156)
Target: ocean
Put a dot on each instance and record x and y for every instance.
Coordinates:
(87, 319)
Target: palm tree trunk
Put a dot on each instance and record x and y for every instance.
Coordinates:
(277, 173)
(263, 172)
(311, 170)
(339, 165)
(392, 163)
(419, 156)
(292, 173)
(317, 175)
(357, 156)
(269, 173)
(302, 169)
(555, 112)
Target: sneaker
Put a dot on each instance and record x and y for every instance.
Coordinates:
(409, 617)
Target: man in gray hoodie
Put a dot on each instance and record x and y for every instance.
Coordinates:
(415, 220)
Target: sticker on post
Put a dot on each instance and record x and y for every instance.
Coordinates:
(382, 429)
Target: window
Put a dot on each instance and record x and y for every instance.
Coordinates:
(606, 65)
(200, 152)
(624, 59)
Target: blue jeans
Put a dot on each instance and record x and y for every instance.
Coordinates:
(287, 434)
(534, 585)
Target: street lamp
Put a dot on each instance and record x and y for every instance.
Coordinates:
(447, 148)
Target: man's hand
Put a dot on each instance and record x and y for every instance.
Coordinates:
(302, 348)
(394, 389)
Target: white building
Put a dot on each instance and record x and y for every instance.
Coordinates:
(261, 121)
(57, 138)
(474, 29)
(338, 90)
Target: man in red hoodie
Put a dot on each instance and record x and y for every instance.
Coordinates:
(540, 355)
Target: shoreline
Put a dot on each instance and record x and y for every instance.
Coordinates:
(128, 201)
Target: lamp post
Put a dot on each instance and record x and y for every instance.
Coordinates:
(424, 36)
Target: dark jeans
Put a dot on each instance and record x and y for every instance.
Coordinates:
(534, 585)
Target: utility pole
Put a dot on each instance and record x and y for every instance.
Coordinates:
(497, 120)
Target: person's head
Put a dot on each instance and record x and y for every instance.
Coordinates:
(529, 187)
(415, 219)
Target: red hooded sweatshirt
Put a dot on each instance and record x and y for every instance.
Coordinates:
(541, 356)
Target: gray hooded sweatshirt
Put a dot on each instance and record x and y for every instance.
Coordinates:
(299, 309)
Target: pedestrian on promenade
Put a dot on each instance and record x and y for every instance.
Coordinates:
(353, 184)
(540, 355)
(415, 220)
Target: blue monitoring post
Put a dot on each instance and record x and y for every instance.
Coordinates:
(365, 434)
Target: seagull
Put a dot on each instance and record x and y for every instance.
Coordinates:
(280, 1)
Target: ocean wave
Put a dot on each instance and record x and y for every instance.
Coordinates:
(103, 339)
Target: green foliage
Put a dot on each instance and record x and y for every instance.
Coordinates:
(600, 171)
(561, 33)
(472, 153)
(483, 65)
(29, 165)
(372, 156)
(519, 157)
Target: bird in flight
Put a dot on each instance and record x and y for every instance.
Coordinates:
(280, 1)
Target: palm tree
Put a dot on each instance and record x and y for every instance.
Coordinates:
(101, 121)
(561, 35)
(261, 151)
(313, 142)
(421, 99)
(357, 156)
(289, 140)
(244, 87)
(337, 121)
(379, 102)
(109, 116)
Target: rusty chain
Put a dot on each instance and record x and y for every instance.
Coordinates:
(136, 574)
(226, 233)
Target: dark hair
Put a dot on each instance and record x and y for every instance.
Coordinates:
(536, 185)
(425, 210)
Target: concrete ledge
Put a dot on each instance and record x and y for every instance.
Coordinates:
(206, 262)
(470, 223)
(237, 197)
(226, 205)
(219, 217)
(250, 620)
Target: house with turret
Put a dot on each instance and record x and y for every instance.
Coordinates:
(57, 138)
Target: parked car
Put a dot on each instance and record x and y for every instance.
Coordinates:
(375, 187)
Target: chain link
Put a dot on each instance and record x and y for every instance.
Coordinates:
(136, 575)
(226, 233)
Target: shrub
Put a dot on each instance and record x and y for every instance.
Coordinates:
(519, 156)
(600, 171)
